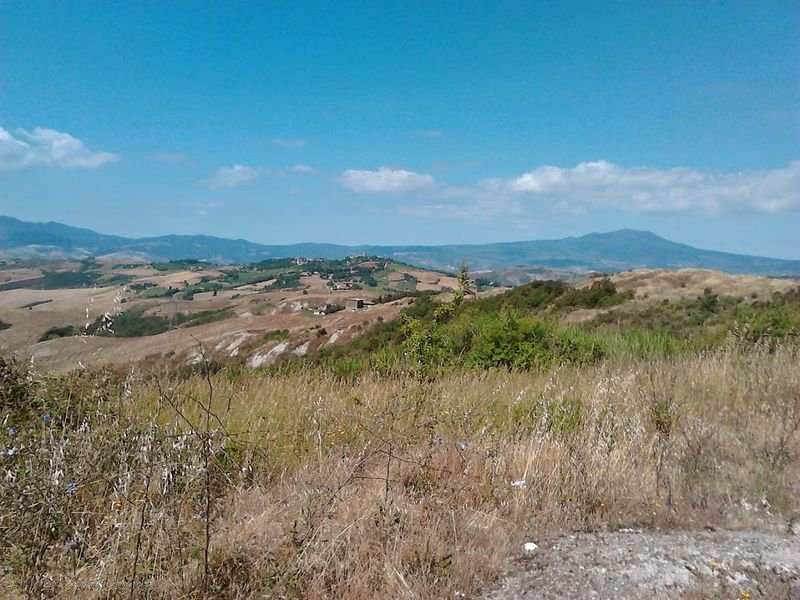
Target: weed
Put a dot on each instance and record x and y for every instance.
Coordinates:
(312, 483)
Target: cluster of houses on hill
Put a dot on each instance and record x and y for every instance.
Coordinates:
(336, 286)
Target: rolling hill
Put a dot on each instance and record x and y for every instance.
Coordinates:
(607, 252)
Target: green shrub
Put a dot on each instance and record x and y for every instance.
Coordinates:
(132, 323)
(59, 332)
(70, 279)
(189, 264)
(770, 323)
(284, 281)
(275, 334)
(116, 279)
(157, 292)
(204, 317)
(600, 294)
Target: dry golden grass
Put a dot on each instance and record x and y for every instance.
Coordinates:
(75, 307)
(58, 308)
(68, 307)
(401, 488)
(7, 275)
(688, 284)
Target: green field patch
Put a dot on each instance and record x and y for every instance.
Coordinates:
(203, 317)
(158, 292)
(116, 279)
(54, 280)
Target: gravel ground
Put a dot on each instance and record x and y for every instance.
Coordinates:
(637, 564)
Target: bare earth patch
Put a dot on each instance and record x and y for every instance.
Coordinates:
(636, 564)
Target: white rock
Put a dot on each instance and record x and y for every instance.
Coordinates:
(301, 350)
(530, 547)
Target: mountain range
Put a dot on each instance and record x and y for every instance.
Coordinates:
(605, 252)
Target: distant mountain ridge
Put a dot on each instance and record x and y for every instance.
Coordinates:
(607, 252)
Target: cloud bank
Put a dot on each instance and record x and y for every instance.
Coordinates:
(385, 180)
(48, 148)
(237, 175)
(602, 184)
(597, 186)
(233, 176)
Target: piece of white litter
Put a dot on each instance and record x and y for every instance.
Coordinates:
(519, 484)
(530, 547)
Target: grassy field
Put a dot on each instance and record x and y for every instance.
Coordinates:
(412, 461)
(241, 484)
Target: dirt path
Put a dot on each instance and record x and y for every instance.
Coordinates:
(635, 564)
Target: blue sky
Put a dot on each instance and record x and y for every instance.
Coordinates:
(413, 122)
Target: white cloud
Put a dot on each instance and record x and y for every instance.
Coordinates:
(48, 148)
(602, 184)
(230, 177)
(385, 180)
(236, 175)
(289, 143)
(591, 187)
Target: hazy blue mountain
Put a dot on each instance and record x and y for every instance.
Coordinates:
(607, 252)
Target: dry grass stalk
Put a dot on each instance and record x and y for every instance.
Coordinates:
(302, 485)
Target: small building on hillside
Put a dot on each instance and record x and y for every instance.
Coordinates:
(357, 303)
(354, 303)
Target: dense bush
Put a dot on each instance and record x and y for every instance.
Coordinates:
(503, 339)
(70, 279)
(601, 294)
(59, 332)
(284, 281)
(275, 334)
(189, 264)
(203, 317)
(710, 319)
(131, 323)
